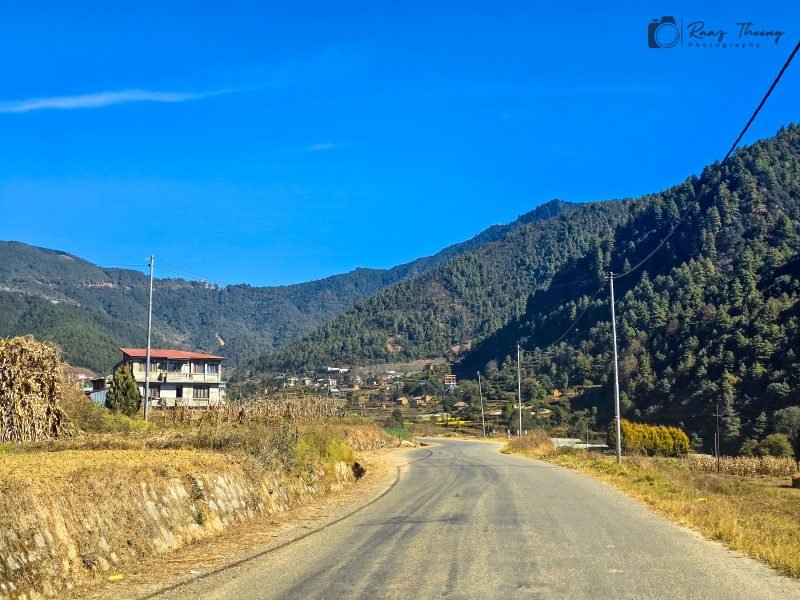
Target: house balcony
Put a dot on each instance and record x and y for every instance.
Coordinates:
(177, 377)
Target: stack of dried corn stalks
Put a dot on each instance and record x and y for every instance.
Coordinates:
(30, 386)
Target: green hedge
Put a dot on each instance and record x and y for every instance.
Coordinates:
(652, 440)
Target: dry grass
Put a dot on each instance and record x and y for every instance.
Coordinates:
(267, 409)
(286, 440)
(759, 516)
(51, 470)
(536, 444)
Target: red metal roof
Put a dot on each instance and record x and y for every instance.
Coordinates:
(168, 354)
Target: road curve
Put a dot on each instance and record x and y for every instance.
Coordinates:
(464, 521)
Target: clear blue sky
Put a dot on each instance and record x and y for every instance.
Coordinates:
(272, 143)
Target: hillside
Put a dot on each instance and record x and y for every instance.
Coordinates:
(712, 316)
(442, 311)
(90, 311)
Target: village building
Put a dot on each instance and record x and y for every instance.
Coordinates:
(420, 401)
(178, 378)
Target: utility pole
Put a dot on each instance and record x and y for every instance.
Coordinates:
(616, 371)
(587, 436)
(519, 388)
(480, 394)
(716, 436)
(149, 331)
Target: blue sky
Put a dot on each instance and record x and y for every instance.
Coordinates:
(273, 143)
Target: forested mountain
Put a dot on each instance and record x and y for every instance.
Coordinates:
(712, 317)
(91, 311)
(440, 312)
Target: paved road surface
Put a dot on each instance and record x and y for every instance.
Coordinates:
(464, 521)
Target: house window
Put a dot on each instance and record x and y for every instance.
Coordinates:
(197, 367)
(155, 391)
(172, 367)
(212, 368)
(179, 391)
(154, 366)
(201, 392)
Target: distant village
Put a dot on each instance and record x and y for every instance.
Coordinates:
(384, 388)
(195, 380)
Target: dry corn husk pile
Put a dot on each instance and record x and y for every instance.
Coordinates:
(30, 387)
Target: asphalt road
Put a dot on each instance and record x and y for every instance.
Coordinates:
(464, 521)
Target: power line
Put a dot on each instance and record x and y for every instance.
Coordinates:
(187, 277)
(704, 191)
(763, 100)
(185, 272)
(196, 274)
(686, 211)
(579, 317)
(124, 265)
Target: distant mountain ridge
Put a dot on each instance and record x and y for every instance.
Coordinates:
(91, 311)
(444, 310)
(477, 294)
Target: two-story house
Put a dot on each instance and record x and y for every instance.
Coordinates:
(178, 378)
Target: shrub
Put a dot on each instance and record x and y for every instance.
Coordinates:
(652, 440)
(776, 444)
(321, 446)
(395, 421)
(89, 417)
(398, 432)
(749, 447)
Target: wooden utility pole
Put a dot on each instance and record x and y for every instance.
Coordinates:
(717, 441)
(480, 394)
(149, 332)
(616, 371)
(519, 387)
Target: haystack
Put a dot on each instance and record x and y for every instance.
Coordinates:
(30, 386)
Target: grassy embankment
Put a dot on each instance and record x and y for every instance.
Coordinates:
(757, 515)
(80, 508)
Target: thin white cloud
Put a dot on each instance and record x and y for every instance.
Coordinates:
(319, 147)
(101, 99)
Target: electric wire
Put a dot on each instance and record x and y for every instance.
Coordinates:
(184, 275)
(689, 206)
(730, 152)
(123, 265)
(187, 272)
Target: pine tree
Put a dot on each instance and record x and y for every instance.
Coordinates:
(123, 394)
(760, 425)
(731, 423)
